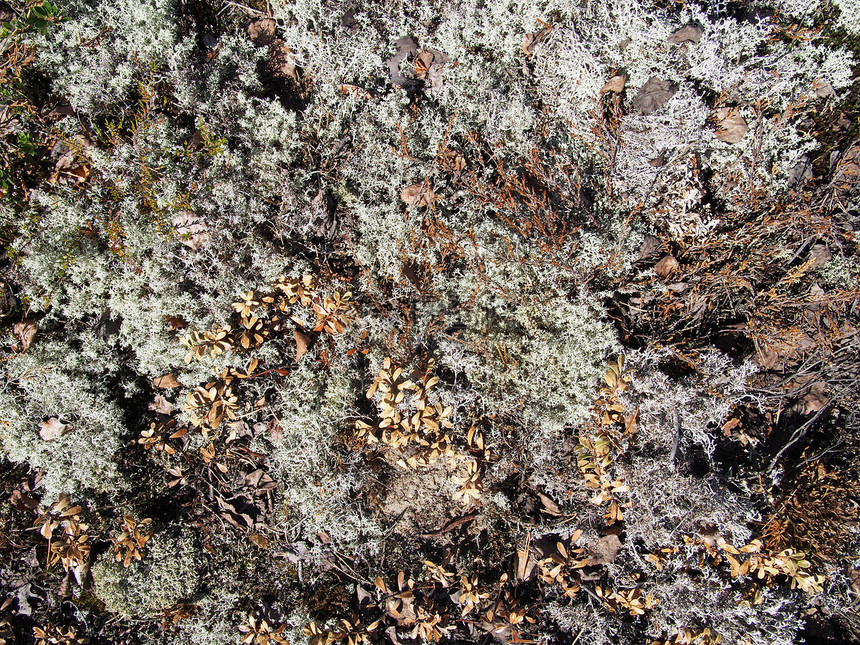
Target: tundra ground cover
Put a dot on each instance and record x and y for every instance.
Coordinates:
(500, 321)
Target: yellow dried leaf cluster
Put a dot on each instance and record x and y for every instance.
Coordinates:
(692, 637)
(51, 635)
(208, 406)
(471, 597)
(468, 483)
(259, 632)
(418, 422)
(345, 632)
(158, 435)
(634, 601)
(334, 314)
(301, 290)
(602, 440)
(132, 539)
(70, 544)
(262, 314)
(559, 567)
(214, 343)
(417, 427)
(766, 565)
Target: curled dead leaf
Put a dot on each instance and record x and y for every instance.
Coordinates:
(190, 229)
(260, 540)
(166, 381)
(303, 342)
(420, 194)
(262, 32)
(549, 506)
(615, 84)
(666, 266)
(282, 62)
(354, 90)
(654, 95)
(823, 88)
(604, 550)
(25, 331)
(161, 405)
(732, 125)
(533, 39)
(53, 429)
(691, 33)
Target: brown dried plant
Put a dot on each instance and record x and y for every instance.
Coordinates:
(602, 439)
(51, 635)
(208, 406)
(634, 601)
(158, 435)
(560, 567)
(345, 632)
(127, 546)
(416, 422)
(213, 343)
(69, 545)
(535, 200)
(259, 632)
(815, 513)
(753, 559)
(264, 314)
(333, 314)
(174, 615)
(688, 636)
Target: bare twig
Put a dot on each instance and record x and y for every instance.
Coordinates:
(798, 434)
(676, 421)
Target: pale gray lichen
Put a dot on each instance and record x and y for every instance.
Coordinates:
(169, 572)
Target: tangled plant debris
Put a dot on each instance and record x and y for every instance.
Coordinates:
(515, 322)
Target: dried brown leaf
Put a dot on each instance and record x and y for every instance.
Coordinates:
(732, 125)
(166, 381)
(615, 84)
(549, 506)
(354, 90)
(190, 229)
(604, 550)
(823, 88)
(161, 405)
(303, 342)
(533, 39)
(420, 194)
(691, 33)
(53, 429)
(262, 32)
(282, 61)
(653, 95)
(666, 266)
(260, 540)
(24, 332)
